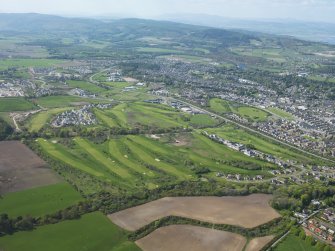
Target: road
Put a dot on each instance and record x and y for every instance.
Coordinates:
(253, 130)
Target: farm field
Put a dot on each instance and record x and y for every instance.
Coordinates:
(25, 63)
(294, 243)
(21, 168)
(15, 104)
(39, 201)
(216, 210)
(91, 232)
(257, 244)
(184, 237)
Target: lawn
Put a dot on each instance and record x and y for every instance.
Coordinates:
(15, 104)
(294, 243)
(39, 201)
(92, 232)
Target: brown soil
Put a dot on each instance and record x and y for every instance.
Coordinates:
(258, 243)
(245, 211)
(184, 237)
(21, 168)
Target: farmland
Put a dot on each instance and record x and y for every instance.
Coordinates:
(20, 168)
(92, 232)
(258, 243)
(218, 210)
(39, 201)
(183, 237)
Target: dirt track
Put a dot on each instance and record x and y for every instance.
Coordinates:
(21, 168)
(184, 237)
(245, 211)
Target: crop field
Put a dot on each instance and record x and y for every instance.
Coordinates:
(36, 122)
(85, 86)
(65, 101)
(39, 201)
(15, 104)
(294, 243)
(91, 232)
(184, 237)
(217, 210)
(232, 133)
(20, 168)
(257, 244)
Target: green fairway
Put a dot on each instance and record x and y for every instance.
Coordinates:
(93, 232)
(219, 105)
(65, 101)
(39, 201)
(252, 113)
(39, 120)
(15, 104)
(202, 120)
(281, 113)
(85, 86)
(294, 243)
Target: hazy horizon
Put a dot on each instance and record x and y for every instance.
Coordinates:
(300, 10)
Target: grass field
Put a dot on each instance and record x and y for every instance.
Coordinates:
(202, 120)
(294, 243)
(6, 63)
(85, 86)
(65, 101)
(15, 104)
(36, 122)
(232, 133)
(92, 232)
(219, 105)
(281, 113)
(39, 201)
(252, 113)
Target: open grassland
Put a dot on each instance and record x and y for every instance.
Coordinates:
(92, 88)
(36, 122)
(39, 201)
(257, 244)
(281, 113)
(15, 104)
(92, 232)
(294, 243)
(8, 63)
(131, 115)
(65, 101)
(184, 237)
(232, 133)
(202, 120)
(221, 106)
(247, 211)
(159, 50)
(20, 168)
(252, 113)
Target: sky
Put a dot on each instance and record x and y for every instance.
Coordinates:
(308, 10)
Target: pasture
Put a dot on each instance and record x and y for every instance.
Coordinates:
(91, 232)
(294, 243)
(20, 168)
(39, 201)
(184, 237)
(15, 104)
(217, 210)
